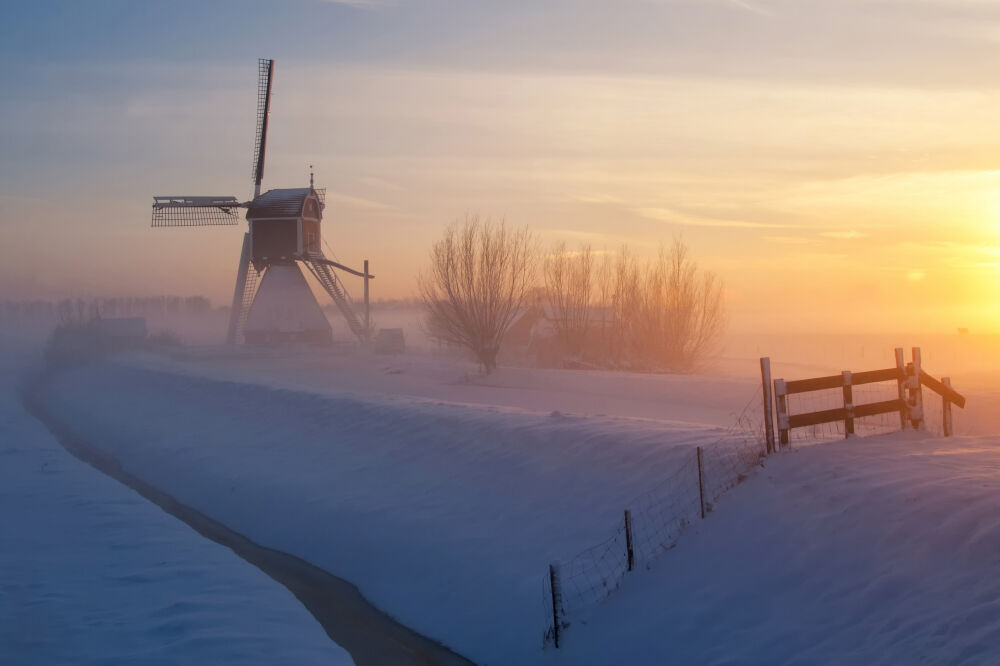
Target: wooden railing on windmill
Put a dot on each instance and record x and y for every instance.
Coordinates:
(271, 300)
(910, 380)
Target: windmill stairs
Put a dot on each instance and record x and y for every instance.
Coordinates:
(321, 269)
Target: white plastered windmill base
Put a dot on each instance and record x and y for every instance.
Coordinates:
(284, 306)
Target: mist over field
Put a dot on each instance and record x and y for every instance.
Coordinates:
(500, 332)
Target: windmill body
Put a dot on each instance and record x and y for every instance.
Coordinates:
(272, 301)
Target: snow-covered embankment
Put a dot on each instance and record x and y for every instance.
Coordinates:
(93, 574)
(444, 515)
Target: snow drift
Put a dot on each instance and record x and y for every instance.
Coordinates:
(446, 515)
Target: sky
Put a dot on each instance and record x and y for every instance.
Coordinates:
(835, 162)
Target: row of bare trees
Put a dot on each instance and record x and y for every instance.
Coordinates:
(656, 313)
(79, 309)
(608, 309)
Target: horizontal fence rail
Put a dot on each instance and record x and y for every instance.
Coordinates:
(836, 381)
(841, 413)
(908, 401)
(655, 521)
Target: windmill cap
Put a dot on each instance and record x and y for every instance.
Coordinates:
(279, 203)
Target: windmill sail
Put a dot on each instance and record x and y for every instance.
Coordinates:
(185, 211)
(265, 76)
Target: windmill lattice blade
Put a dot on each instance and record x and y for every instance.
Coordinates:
(265, 75)
(196, 211)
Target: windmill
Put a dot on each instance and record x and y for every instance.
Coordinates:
(272, 301)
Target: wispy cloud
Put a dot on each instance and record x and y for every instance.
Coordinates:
(849, 234)
(667, 215)
(357, 201)
(788, 240)
(751, 7)
(364, 3)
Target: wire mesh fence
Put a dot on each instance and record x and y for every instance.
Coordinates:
(656, 519)
(816, 401)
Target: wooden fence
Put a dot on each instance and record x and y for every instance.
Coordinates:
(910, 380)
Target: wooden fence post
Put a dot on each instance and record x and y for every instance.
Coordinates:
(629, 553)
(701, 484)
(765, 377)
(901, 385)
(848, 405)
(946, 423)
(916, 393)
(781, 399)
(554, 586)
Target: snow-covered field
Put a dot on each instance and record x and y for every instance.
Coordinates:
(443, 496)
(445, 515)
(91, 573)
(884, 550)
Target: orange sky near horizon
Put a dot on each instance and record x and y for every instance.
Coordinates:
(843, 206)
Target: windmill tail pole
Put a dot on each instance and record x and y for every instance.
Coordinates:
(368, 316)
(265, 78)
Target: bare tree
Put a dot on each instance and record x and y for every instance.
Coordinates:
(625, 305)
(665, 312)
(478, 280)
(569, 281)
(680, 314)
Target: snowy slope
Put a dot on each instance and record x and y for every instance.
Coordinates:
(691, 399)
(91, 573)
(446, 516)
(883, 550)
(445, 509)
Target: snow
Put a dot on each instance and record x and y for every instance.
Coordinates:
(697, 400)
(444, 496)
(882, 550)
(94, 574)
(445, 515)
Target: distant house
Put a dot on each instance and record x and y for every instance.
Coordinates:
(390, 341)
(534, 334)
(521, 331)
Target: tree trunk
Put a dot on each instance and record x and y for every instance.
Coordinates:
(488, 357)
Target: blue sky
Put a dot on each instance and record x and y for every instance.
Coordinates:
(820, 136)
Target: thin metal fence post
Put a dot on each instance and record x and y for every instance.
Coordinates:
(554, 586)
(765, 377)
(701, 484)
(630, 554)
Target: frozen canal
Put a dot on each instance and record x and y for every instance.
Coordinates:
(91, 573)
